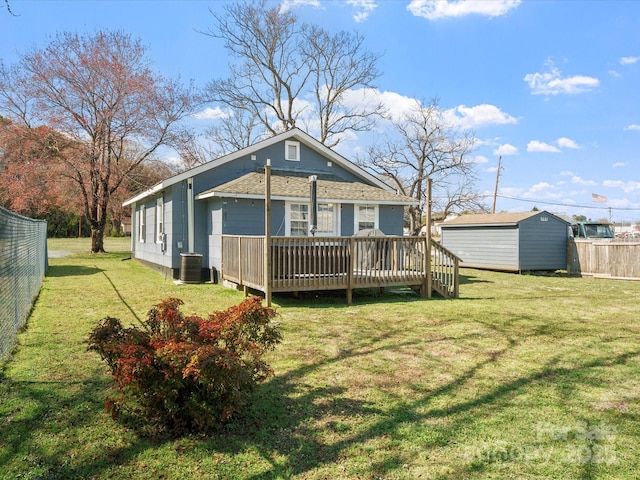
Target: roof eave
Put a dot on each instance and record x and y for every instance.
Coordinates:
(153, 190)
(252, 196)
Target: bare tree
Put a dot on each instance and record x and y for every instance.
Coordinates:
(270, 73)
(339, 64)
(425, 145)
(239, 129)
(282, 63)
(7, 5)
(98, 91)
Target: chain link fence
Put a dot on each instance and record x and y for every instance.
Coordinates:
(23, 263)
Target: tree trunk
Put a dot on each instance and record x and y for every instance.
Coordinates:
(97, 238)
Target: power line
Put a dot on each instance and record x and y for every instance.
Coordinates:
(566, 204)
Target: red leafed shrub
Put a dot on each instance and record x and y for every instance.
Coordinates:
(187, 373)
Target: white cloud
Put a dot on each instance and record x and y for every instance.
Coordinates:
(614, 73)
(581, 181)
(540, 186)
(619, 164)
(565, 142)
(364, 7)
(397, 105)
(485, 114)
(506, 150)
(286, 5)
(212, 114)
(629, 60)
(626, 187)
(632, 127)
(480, 159)
(536, 146)
(436, 9)
(552, 82)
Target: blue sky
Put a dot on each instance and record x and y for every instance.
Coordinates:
(551, 86)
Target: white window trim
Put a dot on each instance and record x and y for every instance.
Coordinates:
(141, 224)
(290, 143)
(287, 217)
(356, 216)
(159, 230)
(336, 219)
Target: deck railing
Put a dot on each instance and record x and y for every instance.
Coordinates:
(444, 270)
(335, 263)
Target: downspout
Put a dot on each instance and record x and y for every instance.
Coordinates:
(190, 217)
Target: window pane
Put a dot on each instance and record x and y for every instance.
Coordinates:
(299, 229)
(366, 217)
(299, 219)
(325, 218)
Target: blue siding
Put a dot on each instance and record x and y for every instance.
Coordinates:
(535, 243)
(216, 216)
(391, 219)
(543, 243)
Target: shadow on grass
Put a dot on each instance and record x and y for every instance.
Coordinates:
(338, 298)
(290, 423)
(62, 412)
(71, 271)
(471, 279)
(291, 414)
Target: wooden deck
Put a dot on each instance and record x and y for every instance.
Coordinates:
(339, 263)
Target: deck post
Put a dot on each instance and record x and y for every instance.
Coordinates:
(267, 232)
(427, 236)
(350, 275)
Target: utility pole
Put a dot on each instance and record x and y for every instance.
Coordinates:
(495, 192)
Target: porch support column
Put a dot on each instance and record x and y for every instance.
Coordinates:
(429, 279)
(267, 232)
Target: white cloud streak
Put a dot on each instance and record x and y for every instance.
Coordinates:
(626, 187)
(629, 60)
(438, 9)
(537, 146)
(634, 127)
(564, 142)
(480, 115)
(506, 150)
(552, 82)
(581, 181)
(286, 5)
(364, 9)
(212, 114)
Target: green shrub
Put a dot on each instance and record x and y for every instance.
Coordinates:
(187, 373)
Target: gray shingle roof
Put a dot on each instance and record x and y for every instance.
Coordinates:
(493, 218)
(296, 185)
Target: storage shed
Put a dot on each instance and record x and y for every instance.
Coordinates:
(508, 241)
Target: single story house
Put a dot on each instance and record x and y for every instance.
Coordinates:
(190, 212)
(508, 241)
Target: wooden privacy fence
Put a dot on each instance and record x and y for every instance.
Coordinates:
(606, 259)
(338, 263)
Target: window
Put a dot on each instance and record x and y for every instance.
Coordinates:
(366, 217)
(159, 220)
(292, 151)
(141, 224)
(298, 219)
(326, 219)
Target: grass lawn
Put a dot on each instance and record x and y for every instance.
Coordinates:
(521, 377)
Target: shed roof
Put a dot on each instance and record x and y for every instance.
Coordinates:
(495, 219)
(287, 185)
